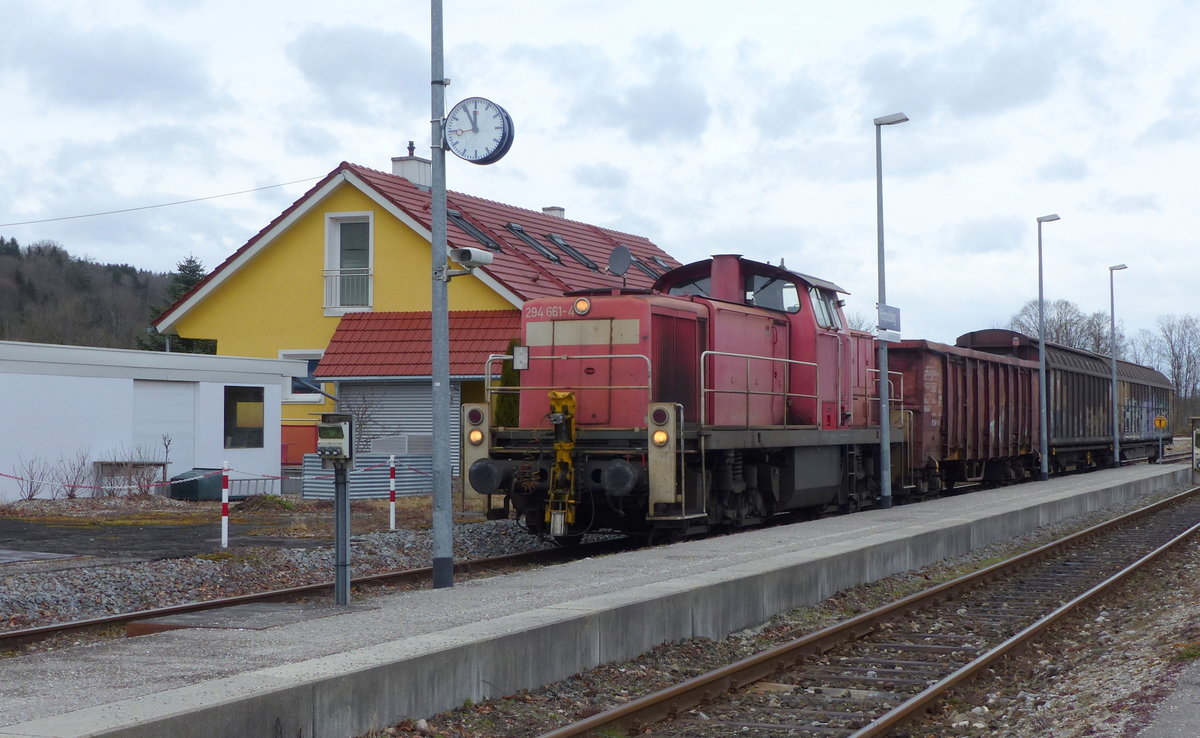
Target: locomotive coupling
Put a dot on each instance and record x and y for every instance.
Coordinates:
(560, 503)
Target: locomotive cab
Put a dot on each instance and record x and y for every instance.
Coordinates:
(707, 401)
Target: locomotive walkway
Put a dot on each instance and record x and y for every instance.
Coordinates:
(334, 672)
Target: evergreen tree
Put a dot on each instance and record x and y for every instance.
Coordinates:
(188, 273)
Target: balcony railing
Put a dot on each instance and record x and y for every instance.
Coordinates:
(347, 288)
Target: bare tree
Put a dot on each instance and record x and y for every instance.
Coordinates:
(1067, 325)
(1146, 348)
(856, 321)
(1180, 361)
(365, 410)
(34, 475)
(72, 474)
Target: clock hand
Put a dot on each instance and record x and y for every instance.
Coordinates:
(474, 121)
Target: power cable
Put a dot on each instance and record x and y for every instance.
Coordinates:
(161, 205)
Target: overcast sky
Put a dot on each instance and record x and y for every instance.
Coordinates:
(707, 127)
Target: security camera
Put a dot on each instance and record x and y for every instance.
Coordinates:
(471, 258)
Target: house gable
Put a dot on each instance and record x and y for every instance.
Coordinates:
(565, 255)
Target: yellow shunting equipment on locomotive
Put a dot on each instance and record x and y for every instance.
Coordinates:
(560, 503)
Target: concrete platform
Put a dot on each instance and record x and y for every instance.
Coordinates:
(255, 616)
(418, 653)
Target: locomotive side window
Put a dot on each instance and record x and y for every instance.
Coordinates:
(771, 293)
(825, 308)
(697, 287)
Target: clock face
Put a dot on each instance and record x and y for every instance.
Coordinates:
(478, 130)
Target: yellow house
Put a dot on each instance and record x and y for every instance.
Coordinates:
(359, 241)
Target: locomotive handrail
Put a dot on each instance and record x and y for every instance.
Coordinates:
(894, 398)
(489, 389)
(705, 390)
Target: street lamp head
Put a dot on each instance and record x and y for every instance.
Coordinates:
(1047, 218)
(891, 120)
(1117, 268)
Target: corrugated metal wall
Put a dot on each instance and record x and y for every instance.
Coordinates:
(387, 409)
(414, 476)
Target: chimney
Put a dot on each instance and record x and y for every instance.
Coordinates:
(413, 168)
(555, 211)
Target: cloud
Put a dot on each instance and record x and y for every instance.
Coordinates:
(993, 234)
(1064, 169)
(309, 140)
(601, 176)
(799, 100)
(666, 105)
(108, 68)
(359, 72)
(1183, 106)
(1010, 58)
(1111, 202)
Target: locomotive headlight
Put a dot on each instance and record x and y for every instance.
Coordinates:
(582, 306)
(475, 436)
(660, 437)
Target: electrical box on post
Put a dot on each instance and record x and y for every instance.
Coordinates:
(335, 438)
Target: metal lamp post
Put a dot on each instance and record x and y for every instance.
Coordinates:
(885, 422)
(1112, 349)
(1045, 446)
(443, 516)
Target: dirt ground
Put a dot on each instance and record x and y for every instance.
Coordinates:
(156, 527)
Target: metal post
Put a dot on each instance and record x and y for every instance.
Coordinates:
(224, 504)
(885, 422)
(1045, 427)
(1112, 318)
(443, 523)
(341, 535)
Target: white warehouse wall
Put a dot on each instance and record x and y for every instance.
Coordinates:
(116, 405)
(52, 418)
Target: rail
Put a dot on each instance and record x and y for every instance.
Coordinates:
(705, 390)
(11, 639)
(775, 663)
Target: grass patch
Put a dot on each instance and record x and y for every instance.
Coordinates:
(1185, 652)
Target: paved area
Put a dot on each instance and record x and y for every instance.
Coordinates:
(420, 652)
(1178, 716)
(13, 557)
(81, 537)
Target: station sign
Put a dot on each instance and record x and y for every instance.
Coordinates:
(889, 318)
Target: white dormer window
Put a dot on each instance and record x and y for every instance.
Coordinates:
(349, 256)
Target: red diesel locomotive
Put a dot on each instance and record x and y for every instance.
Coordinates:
(730, 392)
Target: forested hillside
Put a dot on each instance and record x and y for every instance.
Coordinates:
(49, 296)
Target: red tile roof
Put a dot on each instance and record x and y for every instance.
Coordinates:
(398, 344)
(517, 267)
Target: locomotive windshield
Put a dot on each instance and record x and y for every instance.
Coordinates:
(825, 307)
(772, 293)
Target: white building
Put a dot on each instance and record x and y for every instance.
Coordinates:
(69, 406)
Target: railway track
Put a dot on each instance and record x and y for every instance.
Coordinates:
(870, 674)
(414, 578)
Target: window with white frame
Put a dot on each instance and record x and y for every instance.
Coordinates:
(349, 252)
(301, 389)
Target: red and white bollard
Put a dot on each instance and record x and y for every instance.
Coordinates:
(391, 493)
(225, 504)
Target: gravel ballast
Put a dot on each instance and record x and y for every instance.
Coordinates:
(60, 591)
(1098, 676)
